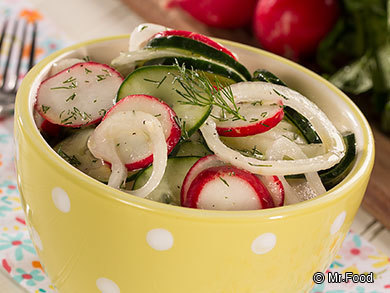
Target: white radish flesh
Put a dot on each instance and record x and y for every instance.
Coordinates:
(64, 64)
(79, 95)
(142, 156)
(199, 166)
(275, 188)
(227, 188)
(103, 145)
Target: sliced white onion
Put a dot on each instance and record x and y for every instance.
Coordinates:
(102, 145)
(284, 147)
(331, 138)
(142, 33)
(127, 61)
(290, 196)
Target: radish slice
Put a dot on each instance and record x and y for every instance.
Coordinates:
(103, 144)
(331, 138)
(283, 147)
(275, 188)
(227, 188)
(196, 37)
(78, 96)
(64, 64)
(199, 166)
(259, 119)
(261, 113)
(142, 156)
(142, 34)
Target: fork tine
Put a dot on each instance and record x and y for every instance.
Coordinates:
(5, 72)
(32, 52)
(20, 57)
(5, 24)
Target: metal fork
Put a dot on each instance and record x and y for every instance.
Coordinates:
(10, 73)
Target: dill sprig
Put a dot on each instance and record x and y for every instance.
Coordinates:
(199, 90)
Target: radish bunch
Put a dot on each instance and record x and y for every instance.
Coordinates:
(289, 28)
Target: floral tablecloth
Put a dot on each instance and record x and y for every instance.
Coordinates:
(18, 256)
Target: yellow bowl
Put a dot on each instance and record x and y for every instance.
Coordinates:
(92, 238)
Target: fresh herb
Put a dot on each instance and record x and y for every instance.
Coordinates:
(253, 153)
(182, 125)
(253, 120)
(71, 97)
(257, 102)
(45, 108)
(198, 90)
(224, 181)
(258, 165)
(263, 114)
(70, 159)
(143, 27)
(86, 59)
(159, 83)
(279, 94)
(73, 114)
(87, 70)
(102, 112)
(71, 80)
(101, 77)
(158, 115)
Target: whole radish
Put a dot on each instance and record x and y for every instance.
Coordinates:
(218, 13)
(294, 28)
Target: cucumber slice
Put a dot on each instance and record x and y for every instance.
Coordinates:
(198, 48)
(265, 75)
(224, 74)
(333, 176)
(168, 191)
(302, 124)
(195, 146)
(159, 81)
(74, 150)
(293, 116)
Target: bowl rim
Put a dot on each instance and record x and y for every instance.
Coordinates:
(24, 119)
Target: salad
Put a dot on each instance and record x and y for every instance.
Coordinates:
(179, 120)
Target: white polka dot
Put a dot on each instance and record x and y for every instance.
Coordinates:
(159, 239)
(338, 222)
(107, 286)
(36, 239)
(264, 243)
(61, 199)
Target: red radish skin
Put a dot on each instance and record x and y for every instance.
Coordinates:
(252, 128)
(202, 164)
(52, 130)
(196, 37)
(275, 188)
(165, 115)
(294, 28)
(57, 110)
(218, 13)
(222, 175)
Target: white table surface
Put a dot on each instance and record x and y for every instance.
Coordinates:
(81, 20)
